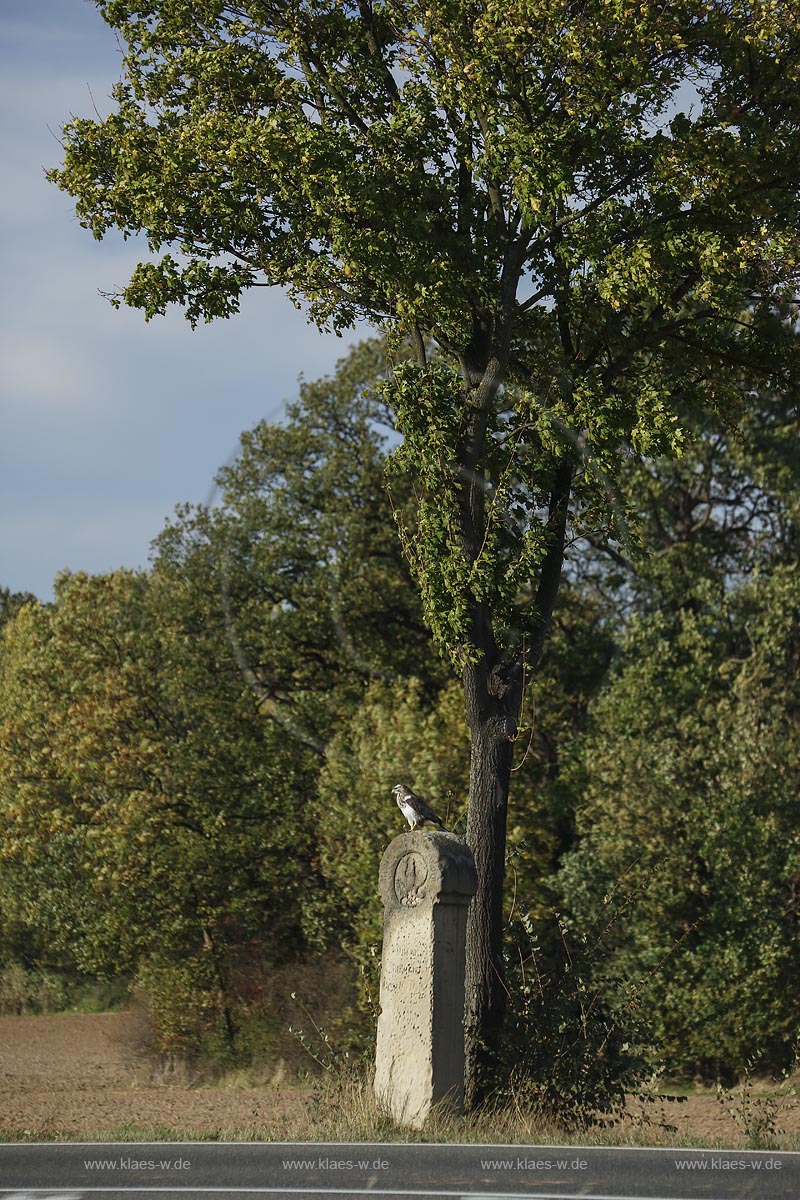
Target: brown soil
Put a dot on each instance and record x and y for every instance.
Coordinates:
(761, 1111)
(81, 1076)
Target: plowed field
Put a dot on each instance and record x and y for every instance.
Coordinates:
(83, 1076)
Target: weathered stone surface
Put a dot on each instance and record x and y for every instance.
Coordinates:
(426, 882)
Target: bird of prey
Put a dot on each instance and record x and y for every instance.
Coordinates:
(413, 808)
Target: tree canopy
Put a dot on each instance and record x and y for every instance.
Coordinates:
(591, 209)
(182, 751)
(421, 162)
(162, 733)
(688, 801)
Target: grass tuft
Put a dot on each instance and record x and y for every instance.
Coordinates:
(341, 1107)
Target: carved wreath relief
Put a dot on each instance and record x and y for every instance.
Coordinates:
(410, 877)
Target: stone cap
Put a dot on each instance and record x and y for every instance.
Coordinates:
(422, 868)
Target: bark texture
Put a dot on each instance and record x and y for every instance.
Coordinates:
(493, 690)
(490, 724)
(493, 687)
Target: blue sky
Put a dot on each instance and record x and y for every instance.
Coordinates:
(107, 422)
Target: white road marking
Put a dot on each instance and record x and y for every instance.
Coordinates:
(49, 1194)
(417, 1146)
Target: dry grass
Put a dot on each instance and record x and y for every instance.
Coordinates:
(89, 1077)
(343, 1109)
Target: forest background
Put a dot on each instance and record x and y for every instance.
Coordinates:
(580, 228)
(196, 763)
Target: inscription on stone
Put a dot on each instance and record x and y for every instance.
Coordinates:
(426, 880)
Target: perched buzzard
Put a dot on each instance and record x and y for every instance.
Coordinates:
(415, 810)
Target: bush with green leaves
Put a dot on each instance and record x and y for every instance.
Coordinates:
(187, 1005)
(398, 734)
(24, 991)
(687, 784)
(575, 1041)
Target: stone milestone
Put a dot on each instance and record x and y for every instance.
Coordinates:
(427, 881)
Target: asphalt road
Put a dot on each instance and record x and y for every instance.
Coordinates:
(112, 1171)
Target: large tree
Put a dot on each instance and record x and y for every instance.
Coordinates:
(686, 801)
(151, 819)
(145, 807)
(589, 206)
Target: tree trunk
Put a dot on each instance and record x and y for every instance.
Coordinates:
(491, 751)
(493, 694)
(493, 688)
(490, 776)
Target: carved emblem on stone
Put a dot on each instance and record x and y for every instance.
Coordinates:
(410, 877)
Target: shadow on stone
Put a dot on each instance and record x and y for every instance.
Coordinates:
(426, 881)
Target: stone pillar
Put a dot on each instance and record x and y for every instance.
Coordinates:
(426, 882)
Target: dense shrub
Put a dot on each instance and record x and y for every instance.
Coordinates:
(576, 1041)
(24, 991)
(687, 784)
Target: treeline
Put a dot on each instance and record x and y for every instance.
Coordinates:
(196, 760)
